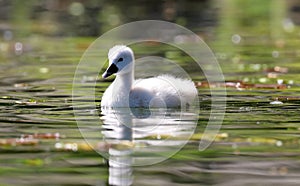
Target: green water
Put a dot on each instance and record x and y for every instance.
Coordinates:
(258, 144)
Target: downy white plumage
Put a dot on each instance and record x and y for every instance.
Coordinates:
(164, 91)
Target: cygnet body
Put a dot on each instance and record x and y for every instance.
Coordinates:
(164, 91)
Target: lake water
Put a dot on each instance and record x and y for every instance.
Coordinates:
(41, 143)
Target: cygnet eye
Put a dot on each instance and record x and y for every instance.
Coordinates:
(120, 59)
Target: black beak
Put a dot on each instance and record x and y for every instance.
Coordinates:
(110, 71)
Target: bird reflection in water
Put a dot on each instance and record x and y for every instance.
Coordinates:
(139, 137)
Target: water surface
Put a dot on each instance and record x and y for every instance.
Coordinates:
(40, 141)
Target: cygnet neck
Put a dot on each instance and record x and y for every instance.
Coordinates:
(124, 81)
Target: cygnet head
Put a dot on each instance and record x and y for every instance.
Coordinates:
(121, 61)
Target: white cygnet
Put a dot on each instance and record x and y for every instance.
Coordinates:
(164, 91)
